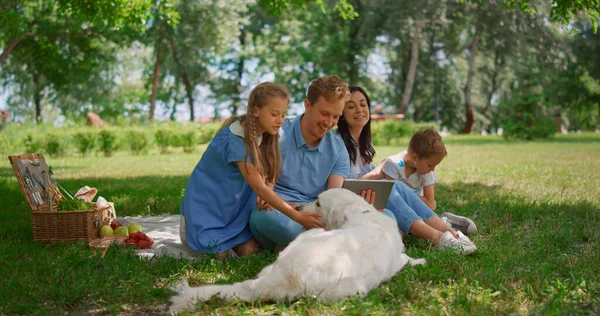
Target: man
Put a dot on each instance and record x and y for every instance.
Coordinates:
(313, 160)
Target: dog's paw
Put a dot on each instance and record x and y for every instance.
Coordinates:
(179, 303)
(181, 300)
(415, 262)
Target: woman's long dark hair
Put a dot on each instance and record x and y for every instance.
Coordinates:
(364, 140)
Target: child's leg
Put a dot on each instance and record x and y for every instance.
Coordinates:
(413, 215)
(437, 223)
(420, 229)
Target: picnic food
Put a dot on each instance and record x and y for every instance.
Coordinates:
(134, 228)
(139, 240)
(106, 230)
(114, 225)
(122, 231)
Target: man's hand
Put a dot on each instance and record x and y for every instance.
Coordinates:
(369, 196)
(308, 220)
(263, 205)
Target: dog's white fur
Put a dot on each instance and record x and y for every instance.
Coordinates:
(360, 249)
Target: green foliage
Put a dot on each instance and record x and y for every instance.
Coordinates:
(138, 141)
(523, 117)
(107, 141)
(164, 138)
(74, 205)
(207, 132)
(85, 141)
(54, 144)
(391, 132)
(344, 8)
(527, 126)
(33, 143)
(188, 141)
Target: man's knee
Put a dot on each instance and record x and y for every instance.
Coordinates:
(389, 213)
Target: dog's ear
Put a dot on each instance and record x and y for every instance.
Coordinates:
(336, 218)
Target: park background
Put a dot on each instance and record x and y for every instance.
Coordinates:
(162, 75)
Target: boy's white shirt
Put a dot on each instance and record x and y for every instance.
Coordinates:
(394, 167)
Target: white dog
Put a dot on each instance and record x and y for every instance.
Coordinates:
(360, 249)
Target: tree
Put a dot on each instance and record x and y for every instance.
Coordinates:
(62, 46)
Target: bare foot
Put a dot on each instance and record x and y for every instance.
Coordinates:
(248, 248)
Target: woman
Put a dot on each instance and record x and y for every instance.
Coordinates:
(414, 217)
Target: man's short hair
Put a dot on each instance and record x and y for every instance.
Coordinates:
(332, 88)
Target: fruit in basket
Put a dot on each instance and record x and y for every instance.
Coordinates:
(114, 225)
(134, 228)
(106, 230)
(122, 231)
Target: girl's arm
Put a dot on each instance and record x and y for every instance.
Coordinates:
(262, 204)
(428, 197)
(256, 181)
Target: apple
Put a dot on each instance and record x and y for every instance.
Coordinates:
(134, 228)
(114, 225)
(122, 231)
(106, 230)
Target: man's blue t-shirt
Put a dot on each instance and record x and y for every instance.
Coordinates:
(305, 171)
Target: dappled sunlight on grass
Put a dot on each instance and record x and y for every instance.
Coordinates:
(535, 205)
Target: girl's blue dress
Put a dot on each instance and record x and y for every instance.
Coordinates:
(218, 200)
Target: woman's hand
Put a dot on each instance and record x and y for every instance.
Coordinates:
(308, 220)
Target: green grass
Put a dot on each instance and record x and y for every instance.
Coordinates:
(536, 205)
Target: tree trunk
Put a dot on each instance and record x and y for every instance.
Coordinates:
(412, 68)
(472, 60)
(237, 87)
(353, 51)
(495, 81)
(9, 49)
(189, 89)
(37, 98)
(155, 76)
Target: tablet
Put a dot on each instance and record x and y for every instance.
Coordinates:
(382, 188)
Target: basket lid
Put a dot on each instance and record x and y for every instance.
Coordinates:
(36, 181)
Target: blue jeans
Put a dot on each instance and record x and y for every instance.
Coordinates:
(272, 228)
(407, 207)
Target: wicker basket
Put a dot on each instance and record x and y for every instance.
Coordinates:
(49, 225)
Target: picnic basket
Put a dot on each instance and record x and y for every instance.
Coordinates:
(42, 194)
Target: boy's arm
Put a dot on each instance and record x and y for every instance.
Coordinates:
(377, 173)
(429, 197)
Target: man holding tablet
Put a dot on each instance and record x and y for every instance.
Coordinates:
(312, 160)
(380, 188)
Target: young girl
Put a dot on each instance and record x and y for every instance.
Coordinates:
(241, 162)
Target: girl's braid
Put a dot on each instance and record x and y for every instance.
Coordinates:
(253, 128)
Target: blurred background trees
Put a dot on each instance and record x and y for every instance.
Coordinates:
(469, 66)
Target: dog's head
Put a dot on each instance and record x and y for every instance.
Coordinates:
(336, 206)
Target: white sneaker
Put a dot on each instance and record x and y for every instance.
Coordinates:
(459, 223)
(463, 244)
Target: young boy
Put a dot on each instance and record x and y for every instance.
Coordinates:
(415, 167)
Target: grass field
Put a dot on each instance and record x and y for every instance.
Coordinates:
(536, 204)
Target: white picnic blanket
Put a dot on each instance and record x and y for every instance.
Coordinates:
(164, 229)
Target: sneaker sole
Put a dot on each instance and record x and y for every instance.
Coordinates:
(466, 225)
